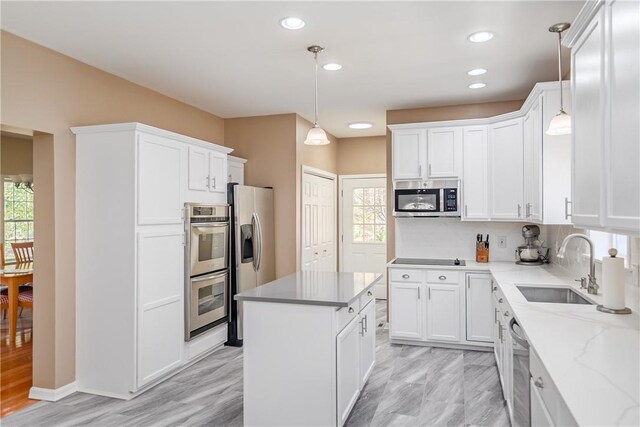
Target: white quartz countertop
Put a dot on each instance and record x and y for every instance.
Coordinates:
(593, 358)
(314, 288)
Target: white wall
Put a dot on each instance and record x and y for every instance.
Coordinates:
(577, 263)
(452, 238)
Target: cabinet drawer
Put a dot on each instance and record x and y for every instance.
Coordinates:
(366, 298)
(406, 275)
(443, 276)
(550, 395)
(346, 314)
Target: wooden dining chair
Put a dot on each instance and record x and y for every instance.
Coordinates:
(23, 252)
(4, 305)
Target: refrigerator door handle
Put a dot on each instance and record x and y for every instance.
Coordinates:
(254, 241)
(258, 237)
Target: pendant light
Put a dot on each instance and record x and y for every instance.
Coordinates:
(561, 123)
(316, 135)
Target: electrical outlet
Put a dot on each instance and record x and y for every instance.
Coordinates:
(502, 241)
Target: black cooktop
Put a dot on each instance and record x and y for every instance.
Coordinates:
(425, 261)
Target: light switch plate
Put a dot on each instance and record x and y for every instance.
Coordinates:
(502, 241)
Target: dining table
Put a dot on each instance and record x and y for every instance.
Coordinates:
(12, 276)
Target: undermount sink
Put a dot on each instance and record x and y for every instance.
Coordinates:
(558, 295)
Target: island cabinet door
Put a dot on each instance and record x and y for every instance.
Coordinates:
(368, 341)
(348, 368)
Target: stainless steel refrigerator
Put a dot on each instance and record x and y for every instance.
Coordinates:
(252, 247)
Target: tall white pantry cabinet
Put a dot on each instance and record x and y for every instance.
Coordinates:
(132, 181)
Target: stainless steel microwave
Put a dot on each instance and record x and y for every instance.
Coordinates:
(431, 198)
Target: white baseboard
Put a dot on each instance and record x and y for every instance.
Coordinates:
(52, 395)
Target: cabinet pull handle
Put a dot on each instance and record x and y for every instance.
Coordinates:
(466, 214)
(208, 181)
(405, 276)
(538, 382)
(495, 288)
(418, 293)
(429, 169)
(500, 300)
(519, 211)
(350, 309)
(500, 332)
(420, 171)
(366, 324)
(429, 293)
(442, 277)
(214, 182)
(567, 202)
(495, 315)
(528, 210)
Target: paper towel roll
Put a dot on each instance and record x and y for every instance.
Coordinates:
(613, 282)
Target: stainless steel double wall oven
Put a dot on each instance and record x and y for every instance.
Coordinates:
(206, 269)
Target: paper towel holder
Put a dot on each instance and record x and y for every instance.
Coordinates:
(613, 252)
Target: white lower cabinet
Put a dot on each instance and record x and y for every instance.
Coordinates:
(348, 368)
(540, 417)
(406, 309)
(443, 312)
(368, 342)
(429, 306)
(479, 314)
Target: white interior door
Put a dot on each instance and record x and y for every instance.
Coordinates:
(318, 223)
(364, 227)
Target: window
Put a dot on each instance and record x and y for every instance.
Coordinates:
(605, 241)
(369, 215)
(18, 217)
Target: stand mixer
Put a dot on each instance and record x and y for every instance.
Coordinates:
(533, 252)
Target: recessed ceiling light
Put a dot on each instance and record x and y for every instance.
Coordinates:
(476, 71)
(332, 66)
(361, 125)
(480, 36)
(477, 85)
(292, 23)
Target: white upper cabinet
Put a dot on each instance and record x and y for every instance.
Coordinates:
(409, 152)
(587, 76)
(605, 60)
(506, 167)
(622, 145)
(198, 168)
(444, 152)
(532, 128)
(475, 186)
(160, 180)
(217, 172)
(235, 169)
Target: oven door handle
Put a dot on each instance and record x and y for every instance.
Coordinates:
(209, 224)
(209, 277)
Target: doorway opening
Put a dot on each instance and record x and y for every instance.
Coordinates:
(16, 273)
(363, 226)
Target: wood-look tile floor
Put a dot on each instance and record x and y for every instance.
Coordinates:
(410, 386)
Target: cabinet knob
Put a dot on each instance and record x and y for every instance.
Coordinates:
(500, 300)
(538, 382)
(405, 276)
(507, 314)
(442, 277)
(369, 294)
(495, 288)
(350, 309)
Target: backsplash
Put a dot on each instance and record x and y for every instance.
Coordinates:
(452, 238)
(577, 264)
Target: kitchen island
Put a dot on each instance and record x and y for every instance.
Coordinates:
(309, 347)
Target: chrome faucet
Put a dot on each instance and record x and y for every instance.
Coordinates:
(592, 287)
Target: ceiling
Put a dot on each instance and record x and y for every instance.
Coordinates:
(233, 59)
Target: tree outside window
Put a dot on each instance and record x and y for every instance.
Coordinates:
(18, 217)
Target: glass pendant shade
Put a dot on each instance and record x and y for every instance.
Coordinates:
(316, 136)
(560, 124)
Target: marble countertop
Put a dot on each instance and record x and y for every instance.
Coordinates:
(593, 358)
(314, 288)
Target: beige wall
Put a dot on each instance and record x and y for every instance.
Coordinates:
(269, 145)
(364, 155)
(16, 155)
(433, 114)
(49, 92)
